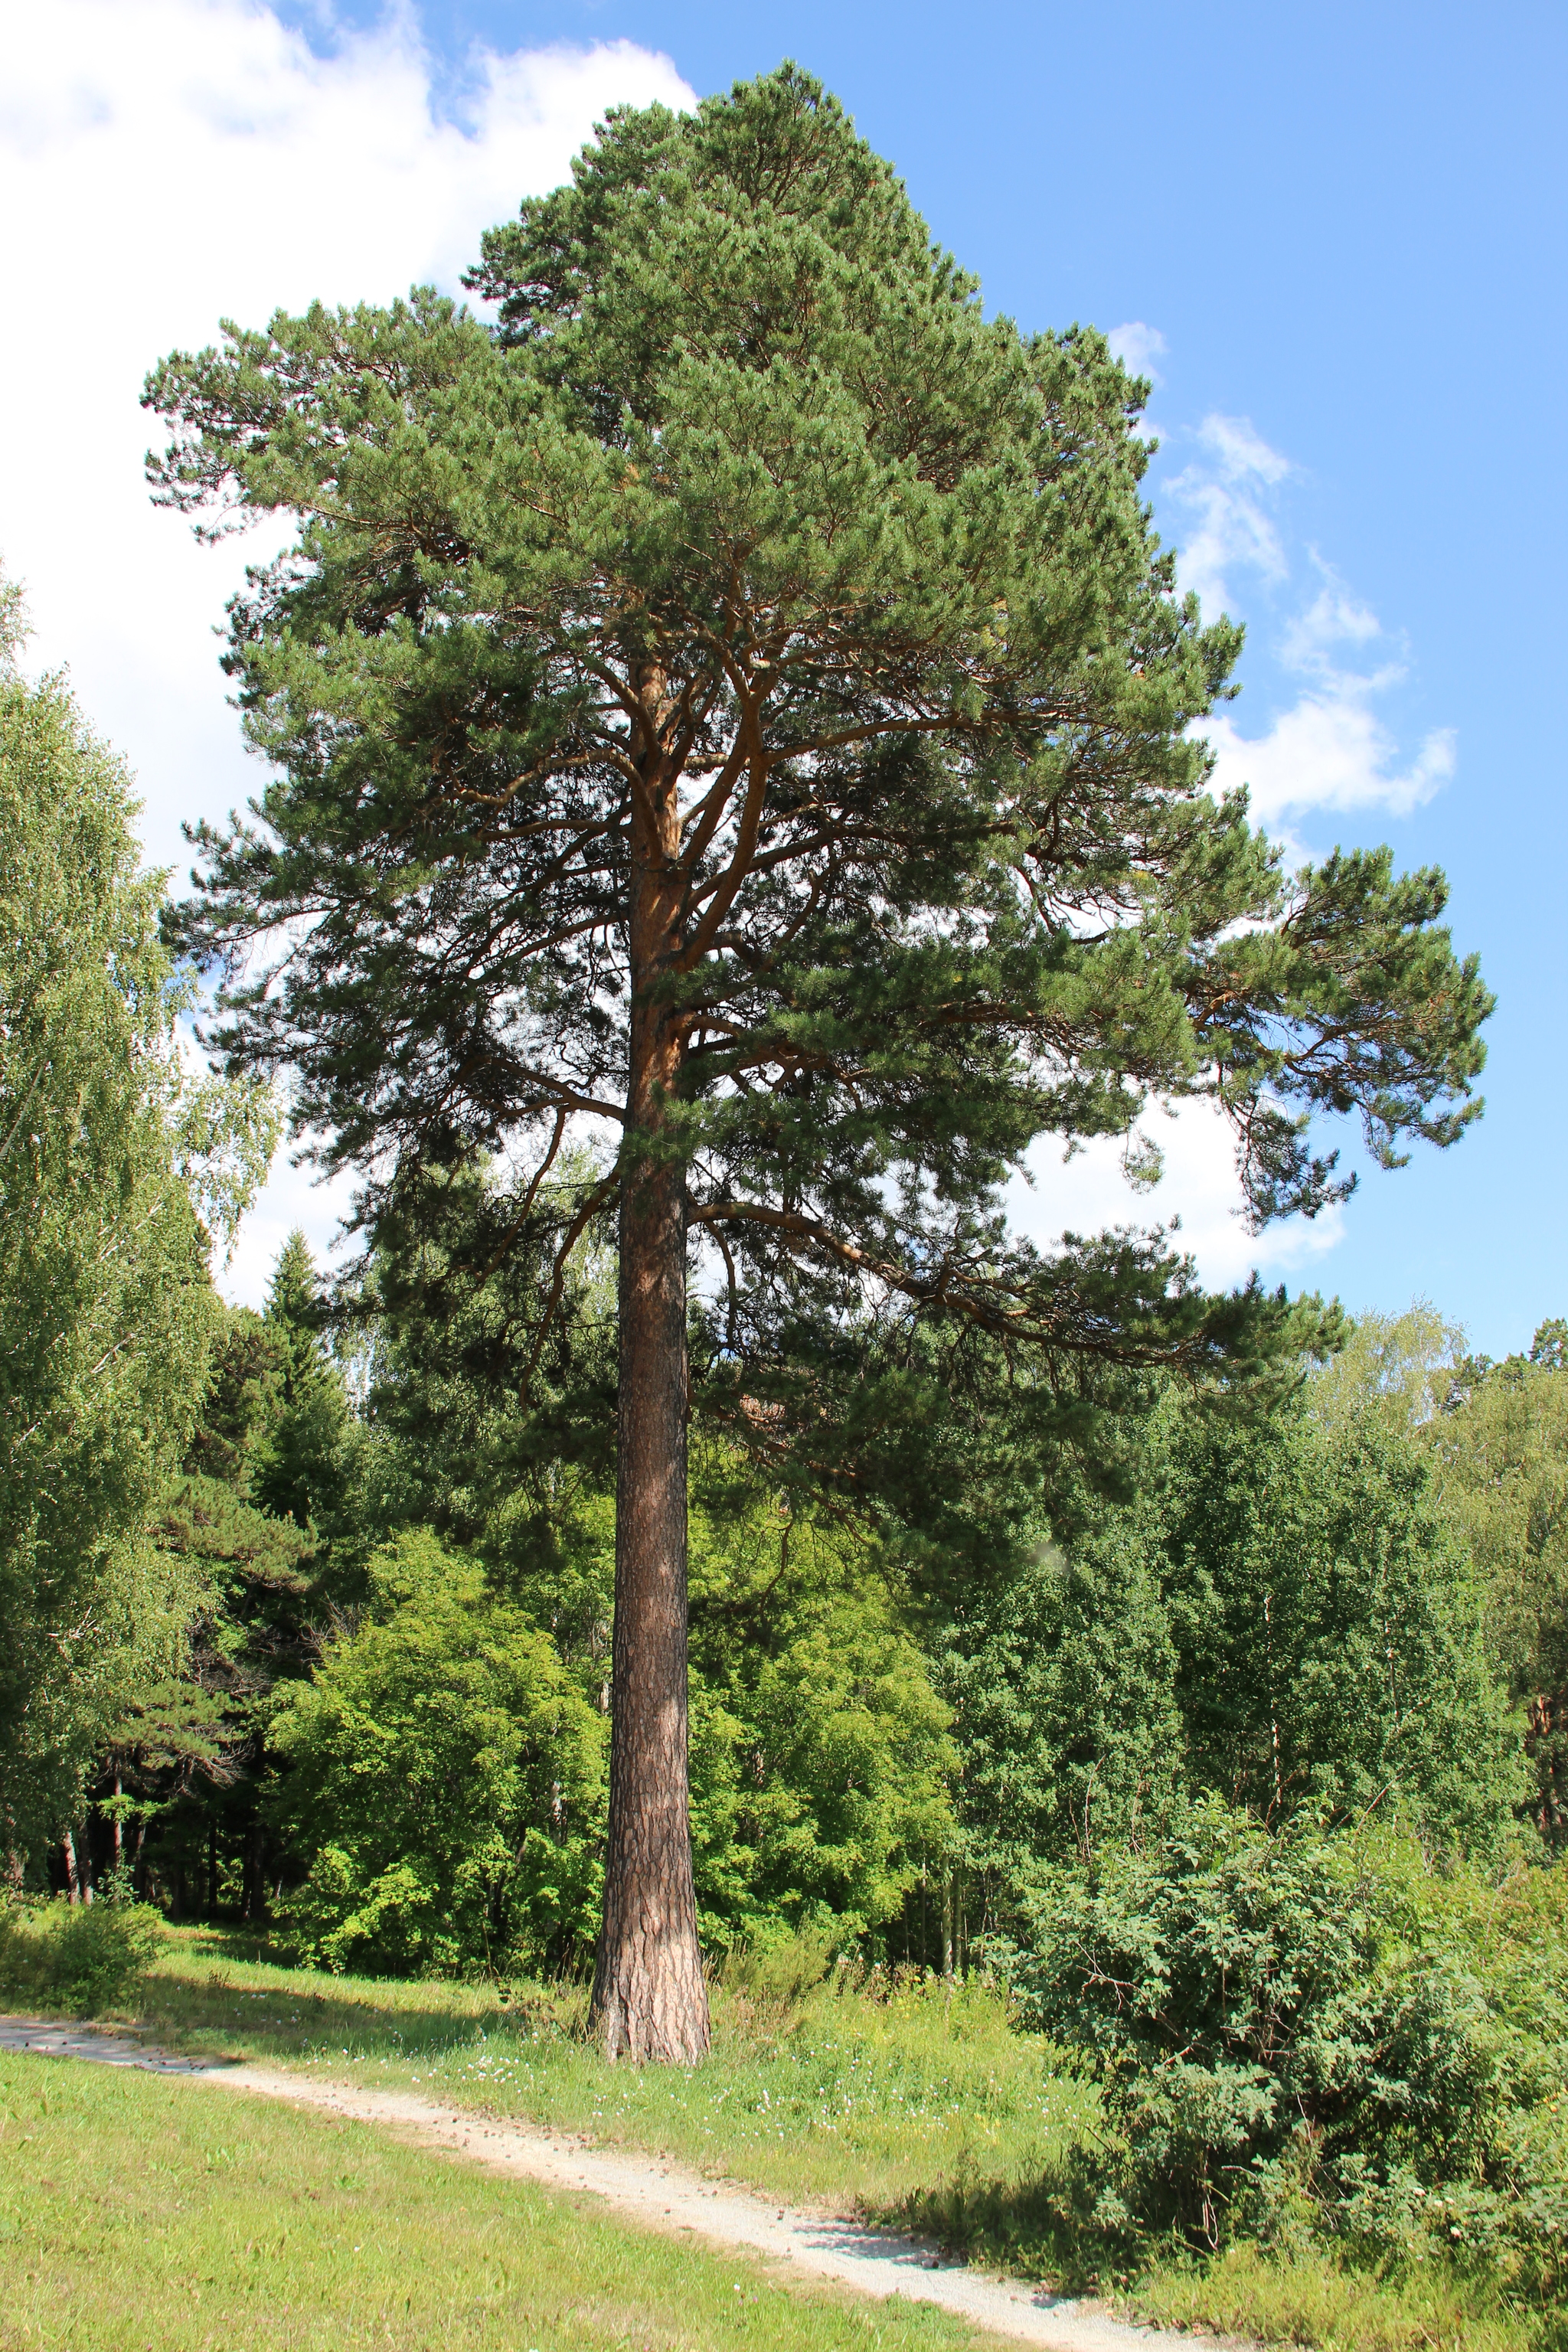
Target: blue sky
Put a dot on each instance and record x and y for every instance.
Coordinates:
(1340, 232)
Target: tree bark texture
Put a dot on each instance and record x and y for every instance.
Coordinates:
(649, 1997)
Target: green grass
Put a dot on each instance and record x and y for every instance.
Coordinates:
(841, 2099)
(141, 2214)
(1300, 2300)
(917, 2102)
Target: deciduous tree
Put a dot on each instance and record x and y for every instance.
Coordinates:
(108, 1155)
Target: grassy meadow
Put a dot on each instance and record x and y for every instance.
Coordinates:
(141, 2214)
(912, 2102)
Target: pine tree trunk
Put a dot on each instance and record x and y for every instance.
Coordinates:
(73, 1887)
(649, 1997)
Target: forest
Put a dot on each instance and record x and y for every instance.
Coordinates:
(687, 1501)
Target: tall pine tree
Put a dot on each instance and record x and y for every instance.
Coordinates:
(740, 699)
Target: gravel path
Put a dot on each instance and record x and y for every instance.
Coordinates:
(660, 2195)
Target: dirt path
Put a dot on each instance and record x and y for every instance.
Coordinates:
(658, 2194)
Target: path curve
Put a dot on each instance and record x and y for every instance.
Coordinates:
(658, 2194)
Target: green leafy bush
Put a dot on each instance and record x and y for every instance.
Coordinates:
(443, 1781)
(821, 1763)
(777, 1975)
(85, 1957)
(1308, 2032)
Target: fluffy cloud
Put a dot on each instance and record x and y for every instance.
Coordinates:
(1224, 492)
(1199, 1188)
(164, 162)
(1330, 750)
(1137, 347)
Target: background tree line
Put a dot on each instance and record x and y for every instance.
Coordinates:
(308, 1613)
(383, 1729)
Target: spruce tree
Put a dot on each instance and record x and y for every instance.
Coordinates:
(739, 699)
(297, 1474)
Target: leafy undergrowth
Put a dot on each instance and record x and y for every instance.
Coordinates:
(139, 2214)
(915, 2104)
(90, 1958)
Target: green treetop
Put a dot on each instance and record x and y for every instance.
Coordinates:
(297, 1474)
(739, 699)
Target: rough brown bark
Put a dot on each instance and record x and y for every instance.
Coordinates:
(73, 1885)
(649, 1997)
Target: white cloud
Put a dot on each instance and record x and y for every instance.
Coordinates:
(1332, 618)
(1241, 453)
(292, 1199)
(1137, 347)
(1224, 491)
(164, 162)
(1091, 1192)
(1330, 750)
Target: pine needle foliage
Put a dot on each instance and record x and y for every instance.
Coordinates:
(748, 537)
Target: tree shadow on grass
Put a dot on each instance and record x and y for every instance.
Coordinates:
(231, 1985)
(1042, 2227)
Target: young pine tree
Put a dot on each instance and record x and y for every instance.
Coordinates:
(739, 698)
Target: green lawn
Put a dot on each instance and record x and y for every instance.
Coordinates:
(137, 2212)
(919, 2104)
(841, 2099)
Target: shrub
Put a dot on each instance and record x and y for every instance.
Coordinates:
(820, 1756)
(85, 1957)
(777, 1974)
(443, 1783)
(1308, 2032)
